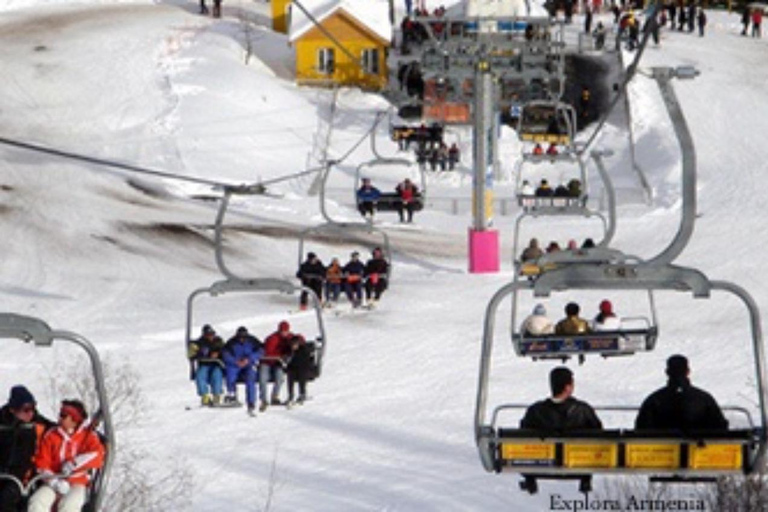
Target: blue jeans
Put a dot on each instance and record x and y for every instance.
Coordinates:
(209, 374)
(354, 291)
(248, 375)
(332, 291)
(265, 371)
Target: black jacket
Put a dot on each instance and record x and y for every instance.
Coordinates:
(570, 414)
(18, 442)
(377, 266)
(680, 406)
(301, 363)
(309, 271)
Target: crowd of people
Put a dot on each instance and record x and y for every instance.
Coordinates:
(570, 189)
(539, 324)
(354, 278)
(244, 358)
(62, 454)
(534, 251)
(405, 200)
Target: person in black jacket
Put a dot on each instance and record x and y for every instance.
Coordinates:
(679, 405)
(312, 275)
(376, 276)
(562, 412)
(299, 368)
(21, 429)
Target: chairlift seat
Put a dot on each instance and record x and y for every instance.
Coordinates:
(660, 453)
(604, 343)
(553, 138)
(389, 201)
(546, 203)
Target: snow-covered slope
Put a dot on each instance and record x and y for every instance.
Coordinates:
(114, 256)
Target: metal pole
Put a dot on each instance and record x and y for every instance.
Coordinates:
(483, 137)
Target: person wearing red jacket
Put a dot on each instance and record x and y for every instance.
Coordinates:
(277, 348)
(65, 456)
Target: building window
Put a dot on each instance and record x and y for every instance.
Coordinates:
(371, 61)
(326, 61)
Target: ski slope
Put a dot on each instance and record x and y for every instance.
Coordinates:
(114, 256)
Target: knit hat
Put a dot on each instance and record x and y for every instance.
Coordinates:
(75, 409)
(606, 307)
(207, 329)
(19, 397)
(311, 256)
(284, 326)
(540, 310)
(242, 331)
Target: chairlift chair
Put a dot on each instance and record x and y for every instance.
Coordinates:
(547, 121)
(389, 201)
(29, 329)
(671, 456)
(264, 286)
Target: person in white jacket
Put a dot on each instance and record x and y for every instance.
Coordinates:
(606, 320)
(537, 324)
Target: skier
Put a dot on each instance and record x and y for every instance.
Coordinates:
(599, 35)
(702, 22)
(312, 275)
(241, 355)
(206, 353)
(217, 8)
(376, 270)
(409, 197)
(17, 448)
(65, 458)
(453, 156)
(276, 351)
(333, 279)
(353, 277)
(562, 412)
(299, 368)
(367, 196)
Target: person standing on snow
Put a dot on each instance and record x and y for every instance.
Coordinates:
(701, 20)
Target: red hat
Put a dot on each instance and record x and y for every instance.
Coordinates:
(284, 326)
(606, 307)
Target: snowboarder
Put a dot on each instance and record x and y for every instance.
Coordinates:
(206, 355)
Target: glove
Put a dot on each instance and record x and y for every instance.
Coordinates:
(68, 468)
(60, 486)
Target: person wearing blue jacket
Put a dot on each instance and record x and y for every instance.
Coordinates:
(353, 273)
(367, 195)
(241, 355)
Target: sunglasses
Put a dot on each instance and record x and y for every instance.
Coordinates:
(63, 415)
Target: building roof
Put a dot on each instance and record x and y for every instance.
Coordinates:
(372, 14)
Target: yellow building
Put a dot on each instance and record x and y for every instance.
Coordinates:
(280, 15)
(362, 31)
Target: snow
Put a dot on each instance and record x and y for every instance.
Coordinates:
(390, 424)
(374, 15)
